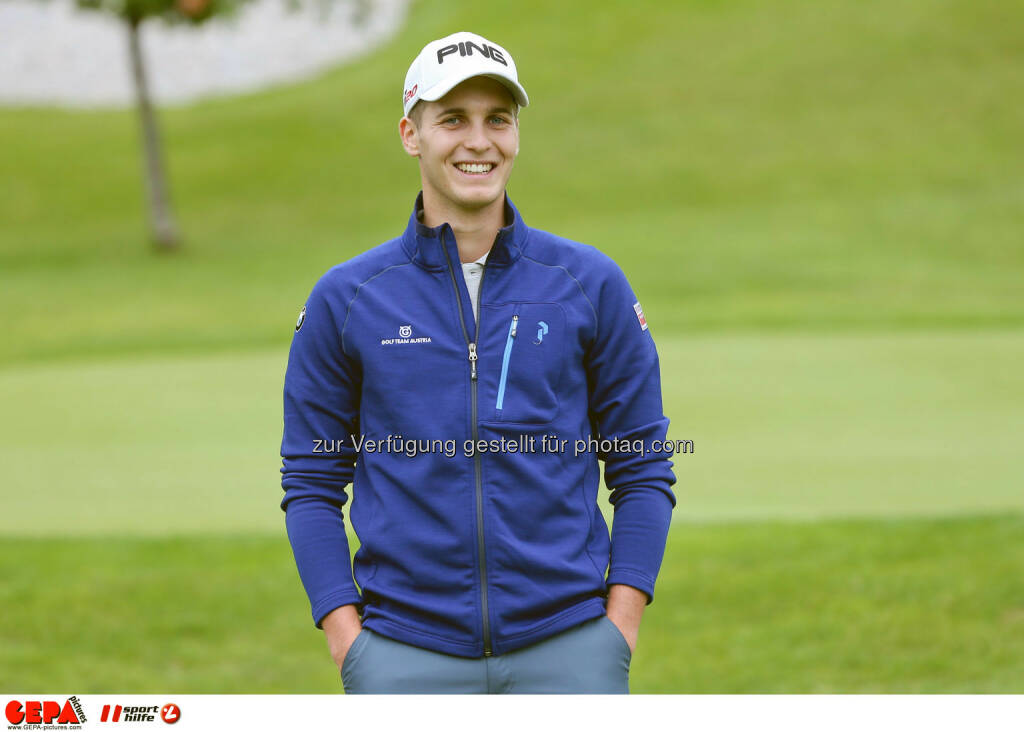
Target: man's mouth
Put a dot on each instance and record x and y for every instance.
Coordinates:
(475, 168)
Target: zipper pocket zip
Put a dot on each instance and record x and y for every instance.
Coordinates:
(512, 328)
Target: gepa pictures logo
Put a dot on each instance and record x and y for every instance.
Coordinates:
(33, 711)
(466, 49)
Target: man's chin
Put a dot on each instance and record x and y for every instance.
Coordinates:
(477, 200)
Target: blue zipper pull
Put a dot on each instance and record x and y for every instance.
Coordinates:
(512, 328)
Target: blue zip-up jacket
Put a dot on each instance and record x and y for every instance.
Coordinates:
(479, 553)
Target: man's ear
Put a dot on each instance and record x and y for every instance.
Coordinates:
(410, 138)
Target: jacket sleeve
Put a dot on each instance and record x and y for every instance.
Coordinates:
(625, 403)
(321, 403)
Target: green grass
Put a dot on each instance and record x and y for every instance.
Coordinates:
(820, 205)
(784, 425)
(844, 606)
(751, 163)
(894, 606)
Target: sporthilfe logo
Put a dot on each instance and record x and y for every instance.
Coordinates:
(169, 713)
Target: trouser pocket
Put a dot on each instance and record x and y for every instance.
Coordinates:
(352, 657)
(590, 658)
(620, 639)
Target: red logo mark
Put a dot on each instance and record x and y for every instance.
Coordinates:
(170, 713)
(640, 315)
(35, 712)
(412, 92)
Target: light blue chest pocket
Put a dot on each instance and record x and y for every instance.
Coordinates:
(531, 364)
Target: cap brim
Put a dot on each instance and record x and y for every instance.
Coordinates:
(440, 89)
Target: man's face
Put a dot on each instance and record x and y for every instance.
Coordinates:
(466, 142)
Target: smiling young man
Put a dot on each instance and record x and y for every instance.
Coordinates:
(488, 568)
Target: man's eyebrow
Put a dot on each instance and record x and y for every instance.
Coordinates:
(461, 110)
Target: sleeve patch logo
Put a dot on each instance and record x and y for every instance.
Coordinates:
(640, 315)
(301, 320)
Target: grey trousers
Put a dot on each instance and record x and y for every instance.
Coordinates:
(591, 658)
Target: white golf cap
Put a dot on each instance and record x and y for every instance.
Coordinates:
(447, 62)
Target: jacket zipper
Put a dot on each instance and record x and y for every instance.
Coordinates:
(512, 328)
(471, 348)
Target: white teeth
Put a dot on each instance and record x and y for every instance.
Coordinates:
(475, 167)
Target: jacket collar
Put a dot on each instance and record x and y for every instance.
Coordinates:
(424, 244)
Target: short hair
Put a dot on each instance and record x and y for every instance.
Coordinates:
(416, 113)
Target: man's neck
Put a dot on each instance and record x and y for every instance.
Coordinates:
(474, 230)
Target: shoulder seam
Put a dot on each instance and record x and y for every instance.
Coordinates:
(348, 307)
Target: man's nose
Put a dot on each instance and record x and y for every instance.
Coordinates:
(478, 139)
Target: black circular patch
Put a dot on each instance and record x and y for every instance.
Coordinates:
(301, 320)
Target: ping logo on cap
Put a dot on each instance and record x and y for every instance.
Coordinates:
(446, 62)
(466, 49)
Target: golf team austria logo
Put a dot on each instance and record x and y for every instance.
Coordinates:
(31, 713)
(404, 337)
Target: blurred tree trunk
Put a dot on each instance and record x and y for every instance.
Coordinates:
(161, 220)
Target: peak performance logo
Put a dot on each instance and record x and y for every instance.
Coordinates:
(32, 712)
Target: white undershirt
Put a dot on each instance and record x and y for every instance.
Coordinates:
(473, 272)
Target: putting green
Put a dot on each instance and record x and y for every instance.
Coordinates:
(786, 425)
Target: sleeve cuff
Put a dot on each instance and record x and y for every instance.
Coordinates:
(334, 601)
(633, 578)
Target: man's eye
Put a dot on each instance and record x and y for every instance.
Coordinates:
(499, 120)
(450, 120)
